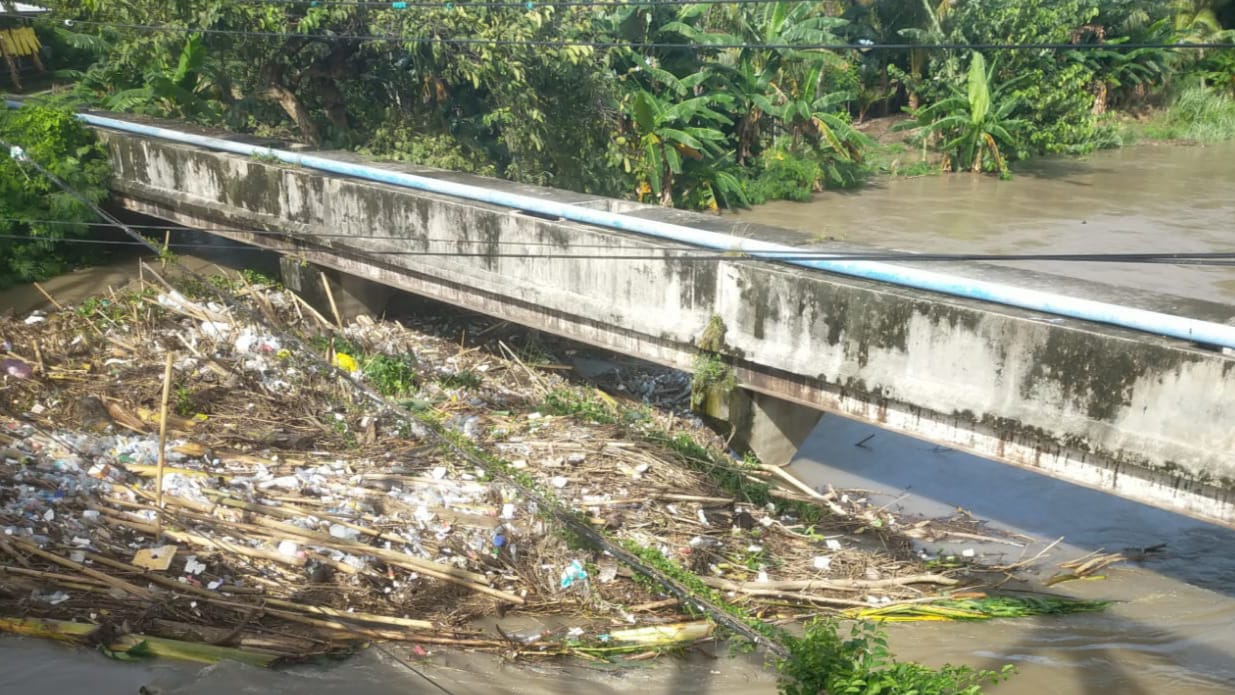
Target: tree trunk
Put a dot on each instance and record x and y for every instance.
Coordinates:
(1101, 94)
(296, 111)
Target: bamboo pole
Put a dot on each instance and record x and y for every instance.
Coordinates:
(66, 631)
(167, 389)
(58, 305)
(334, 308)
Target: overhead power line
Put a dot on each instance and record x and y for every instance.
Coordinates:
(481, 4)
(681, 254)
(587, 43)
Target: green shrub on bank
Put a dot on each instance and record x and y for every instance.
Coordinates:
(34, 211)
(1198, 114)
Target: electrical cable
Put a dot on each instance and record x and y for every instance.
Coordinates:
(582, 43)
(684, 254)
(1187, 257)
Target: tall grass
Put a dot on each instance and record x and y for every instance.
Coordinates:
(1198, 114)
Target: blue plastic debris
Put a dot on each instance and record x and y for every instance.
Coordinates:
(574, 572)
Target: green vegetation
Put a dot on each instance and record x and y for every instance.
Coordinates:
(33, 209)
(703, 128)
(1198, 114)
(711, 374)
(821, 661)
(392, 375)
(980, 608)
(463, 379)
(972, 125)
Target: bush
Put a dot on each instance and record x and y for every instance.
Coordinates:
(406, 144)
(34, 209)
(784, 175)
(822, 662)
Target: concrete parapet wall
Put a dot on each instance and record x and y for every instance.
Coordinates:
(1142, 416)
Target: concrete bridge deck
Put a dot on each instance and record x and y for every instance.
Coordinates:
(1138, 415)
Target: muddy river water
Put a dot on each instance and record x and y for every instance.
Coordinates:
(1172, 630)
(1145, 199)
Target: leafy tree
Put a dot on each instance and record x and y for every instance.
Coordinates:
(1053, 89)
(30, 203)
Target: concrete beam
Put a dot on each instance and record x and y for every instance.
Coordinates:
(1132, 414)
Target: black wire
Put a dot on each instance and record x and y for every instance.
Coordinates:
(560, 43)
(823, 254)
(25, 159)
(1217, 258)
(529, 4)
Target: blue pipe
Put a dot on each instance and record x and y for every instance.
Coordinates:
(1195, 330)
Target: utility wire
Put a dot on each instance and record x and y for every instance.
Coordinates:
(527, 4)
(804, 252)
(584, 43)
(684, 254)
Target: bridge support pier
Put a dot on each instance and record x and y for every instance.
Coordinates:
(771, 428)
(353, 296)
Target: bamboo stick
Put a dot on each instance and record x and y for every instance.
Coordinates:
(286, 645)
(300, 301)
(162, 462)
(51, 576)
(291, 607)
(210, 543)
(82, 569)
(727, 585)
(427, 567)
(13, 74)
(848, 584)
(334, 309)
(8, 549)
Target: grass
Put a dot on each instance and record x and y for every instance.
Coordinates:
(900, 159)
(392, 375)
(1198, 115)
(710, 372)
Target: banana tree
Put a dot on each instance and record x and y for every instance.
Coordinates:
(819, 118)
(182, 92)
(670, 134)
(976, 126)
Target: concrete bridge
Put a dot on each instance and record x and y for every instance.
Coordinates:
(1138, 415)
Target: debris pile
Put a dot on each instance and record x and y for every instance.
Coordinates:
(283, 516)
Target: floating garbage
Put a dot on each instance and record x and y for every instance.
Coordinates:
(573, 574)
(16, 369)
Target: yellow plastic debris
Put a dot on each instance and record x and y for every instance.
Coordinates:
(346, 362)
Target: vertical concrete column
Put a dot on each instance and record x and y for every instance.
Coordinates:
(771, 428)
(353, 296)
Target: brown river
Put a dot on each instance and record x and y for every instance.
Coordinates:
(1172, 630)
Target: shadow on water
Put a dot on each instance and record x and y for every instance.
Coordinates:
(1166, 627)
(940, 480)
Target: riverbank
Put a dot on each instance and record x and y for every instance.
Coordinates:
(1196, 117)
